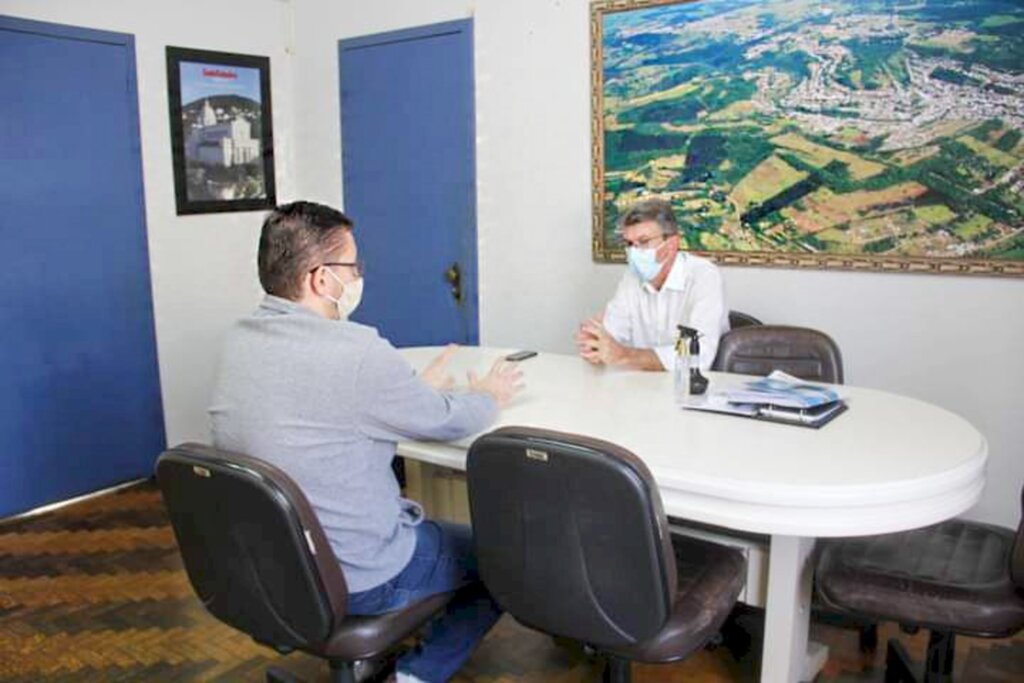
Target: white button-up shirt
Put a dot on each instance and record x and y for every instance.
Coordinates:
(693, 295)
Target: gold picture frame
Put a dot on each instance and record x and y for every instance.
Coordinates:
(918, 198)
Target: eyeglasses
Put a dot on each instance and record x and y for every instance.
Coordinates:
(644, 242)
(356, 265)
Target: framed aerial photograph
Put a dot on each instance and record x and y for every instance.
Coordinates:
(221, 131)
(884, 135)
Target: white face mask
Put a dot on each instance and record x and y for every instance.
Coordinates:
(351, 295)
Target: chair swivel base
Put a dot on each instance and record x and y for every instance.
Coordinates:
(617, 670)
(341, 672)
(938, 666)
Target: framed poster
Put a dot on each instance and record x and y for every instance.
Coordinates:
(221, 131)
(811, 134)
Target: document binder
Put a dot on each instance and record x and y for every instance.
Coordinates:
(777, 398)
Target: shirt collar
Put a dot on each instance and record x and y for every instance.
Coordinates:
(277, 304)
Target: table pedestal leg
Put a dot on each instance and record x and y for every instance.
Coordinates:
(787, 656)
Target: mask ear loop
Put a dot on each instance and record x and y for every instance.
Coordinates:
(676, 251)
(335, 301)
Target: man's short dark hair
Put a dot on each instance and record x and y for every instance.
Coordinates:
(295, 239)
(657, 210)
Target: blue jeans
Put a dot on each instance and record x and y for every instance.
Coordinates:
(443, 561)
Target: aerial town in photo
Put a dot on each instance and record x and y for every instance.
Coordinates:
(856, 128)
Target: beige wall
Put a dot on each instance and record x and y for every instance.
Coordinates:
(949, 340)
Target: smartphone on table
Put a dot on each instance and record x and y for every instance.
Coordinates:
(520, 355)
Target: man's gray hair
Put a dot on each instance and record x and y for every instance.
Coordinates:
(657, 210)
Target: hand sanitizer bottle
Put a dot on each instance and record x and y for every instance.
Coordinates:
(698, 383)
(681, 371)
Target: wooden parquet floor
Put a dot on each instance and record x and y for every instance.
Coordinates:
(95, 591)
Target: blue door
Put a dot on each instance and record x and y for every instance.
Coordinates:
(80, 393)
(408, 163)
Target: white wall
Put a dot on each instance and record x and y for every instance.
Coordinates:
(203, 266)
(950, 340)
(954, 341)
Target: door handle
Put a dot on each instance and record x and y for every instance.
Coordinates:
(454, 277)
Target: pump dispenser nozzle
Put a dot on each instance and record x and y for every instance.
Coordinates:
(698, 382)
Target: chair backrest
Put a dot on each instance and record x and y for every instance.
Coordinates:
(570, 535)
(1017, 556)
(252, 546)
(738, 319)
(799, 351)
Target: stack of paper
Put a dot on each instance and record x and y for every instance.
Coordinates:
(778, 397)
(782, 390)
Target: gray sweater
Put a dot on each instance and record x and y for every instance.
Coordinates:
(325, 401)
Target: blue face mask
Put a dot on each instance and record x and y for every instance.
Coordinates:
(644, 262)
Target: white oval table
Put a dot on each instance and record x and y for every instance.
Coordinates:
(889, 463)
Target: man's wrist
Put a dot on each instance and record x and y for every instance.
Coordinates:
(625, 355)
(640, 359)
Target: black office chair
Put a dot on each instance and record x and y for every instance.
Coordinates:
(957, 577)
(738, 319)
(807, 354)
(259, 561)
(572, 540)
(799, 351)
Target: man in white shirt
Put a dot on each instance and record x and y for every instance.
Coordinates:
(662, 289)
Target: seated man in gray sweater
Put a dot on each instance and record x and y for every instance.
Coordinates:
(326, 399)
